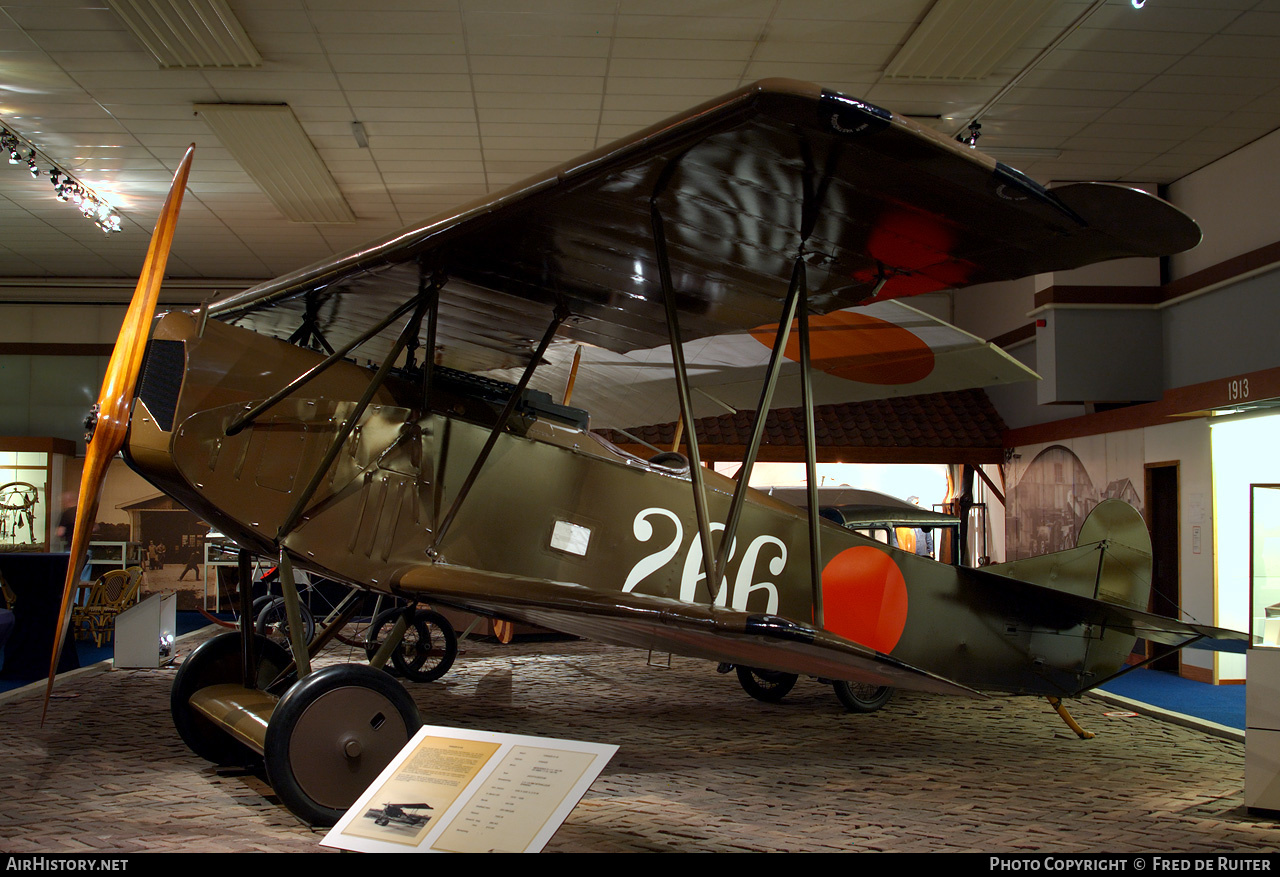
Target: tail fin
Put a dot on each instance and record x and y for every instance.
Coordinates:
(1111, 561)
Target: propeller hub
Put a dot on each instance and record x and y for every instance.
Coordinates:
(91, 423)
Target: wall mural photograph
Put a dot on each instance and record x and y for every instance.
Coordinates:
(1055, 491)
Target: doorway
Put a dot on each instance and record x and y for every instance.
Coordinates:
(1166, 586)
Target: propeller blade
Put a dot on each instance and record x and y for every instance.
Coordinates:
(503, 630)
(111, 413)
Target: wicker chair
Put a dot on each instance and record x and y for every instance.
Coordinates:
(110, 595)
(81, 628)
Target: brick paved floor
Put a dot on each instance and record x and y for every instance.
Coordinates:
(702, 767)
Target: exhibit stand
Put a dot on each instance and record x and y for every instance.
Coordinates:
(1262, 734)
(460, 790)
(145, 632)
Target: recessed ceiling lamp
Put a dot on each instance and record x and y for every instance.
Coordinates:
(271, 146)
(65, 187)
(966, 39)
(189, 33)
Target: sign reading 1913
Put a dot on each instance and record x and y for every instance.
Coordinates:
(1237, 390)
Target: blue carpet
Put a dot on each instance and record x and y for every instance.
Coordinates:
(88, 654)
(1223, 704)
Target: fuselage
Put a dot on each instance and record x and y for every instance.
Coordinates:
(553, 503)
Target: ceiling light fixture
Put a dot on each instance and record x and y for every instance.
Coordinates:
(362, 137)
(975, 131)
(966, 39)
(1035, 62)
(189, 33)
(270, 144)
(65, 186)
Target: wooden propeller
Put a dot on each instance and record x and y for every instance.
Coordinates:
(503, 630)
(110, 417)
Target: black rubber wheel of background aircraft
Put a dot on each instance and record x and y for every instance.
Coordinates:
(428, 649)
(770, 686)
(216, 662)
(859, 697)
(272, 621)
(330, 736)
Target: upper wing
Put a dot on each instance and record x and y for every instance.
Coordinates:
(694, 629)
(882, 207)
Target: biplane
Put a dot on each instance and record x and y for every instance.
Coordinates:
(353, 419)
(399, 814)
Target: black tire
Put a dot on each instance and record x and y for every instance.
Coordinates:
(860, 697)
(260, 603)
(273, 622)
(428, 649)
(217, 662)
(769, 686)
(332, 734)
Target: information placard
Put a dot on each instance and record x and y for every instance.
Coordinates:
(458, 790)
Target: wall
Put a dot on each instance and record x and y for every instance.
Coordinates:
(1236, 200)
(992, 309)
(49, 393)
(1226, 332)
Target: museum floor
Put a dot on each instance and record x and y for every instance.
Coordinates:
(701, 767)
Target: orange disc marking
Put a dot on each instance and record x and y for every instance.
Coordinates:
(857, 347)
(864, 598)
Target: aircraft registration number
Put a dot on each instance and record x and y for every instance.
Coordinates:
(769, 551)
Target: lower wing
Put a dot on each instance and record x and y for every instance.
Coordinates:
(692, 629)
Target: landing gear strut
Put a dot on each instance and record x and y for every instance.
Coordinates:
(427, 650)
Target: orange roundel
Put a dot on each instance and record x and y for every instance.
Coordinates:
(858, 347)
(864, 598)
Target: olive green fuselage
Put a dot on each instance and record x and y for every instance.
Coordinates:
(554, 503)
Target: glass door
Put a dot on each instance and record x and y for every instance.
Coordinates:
(1264, 563)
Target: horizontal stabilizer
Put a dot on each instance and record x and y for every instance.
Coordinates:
(692, 629)
(1054, 608)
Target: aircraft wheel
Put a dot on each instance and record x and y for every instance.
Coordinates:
(770, 686)
(273, 622)
(859, 697)
(259, 603)
(217, 662)
(428, 649)
(332, 734)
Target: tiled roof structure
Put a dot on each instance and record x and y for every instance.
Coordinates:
(954, 427)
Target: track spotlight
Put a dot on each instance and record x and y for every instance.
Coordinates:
(65, 186)
(975, 131)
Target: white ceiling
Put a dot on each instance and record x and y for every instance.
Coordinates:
(462, 97)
